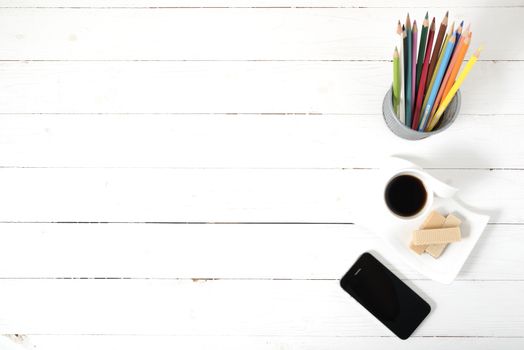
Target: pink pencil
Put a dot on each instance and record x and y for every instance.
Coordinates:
(414, 66)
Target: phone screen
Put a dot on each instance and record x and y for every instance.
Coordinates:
(383, 294)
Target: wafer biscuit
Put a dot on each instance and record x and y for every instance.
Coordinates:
(419, 249)
(436, 235)
(436, 250)
(434, 220)
(451, 221)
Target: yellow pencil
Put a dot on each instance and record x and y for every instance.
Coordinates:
(454, 88)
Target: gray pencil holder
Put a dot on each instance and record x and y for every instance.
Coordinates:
(401, 130)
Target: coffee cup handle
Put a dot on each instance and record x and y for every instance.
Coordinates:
(439, 188)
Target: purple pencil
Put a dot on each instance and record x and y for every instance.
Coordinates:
(414, 66)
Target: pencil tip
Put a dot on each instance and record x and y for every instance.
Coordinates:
(462, 23)
(426, 15)
(477, 53)
(466, 31)
(447, 14)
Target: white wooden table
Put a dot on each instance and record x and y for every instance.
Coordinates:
(179, 174)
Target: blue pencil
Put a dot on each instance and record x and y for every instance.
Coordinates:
(459, 33)
(436, 85)
(409, 33)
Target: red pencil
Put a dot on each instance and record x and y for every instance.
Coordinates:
(423, 77)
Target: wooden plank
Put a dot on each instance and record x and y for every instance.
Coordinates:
(231, 87)
(278, 308)
(226, 195)
(134, 342)
(256, 3)
(249, 141)
(185, 251)
(268, 34)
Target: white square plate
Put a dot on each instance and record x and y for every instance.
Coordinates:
(375, 215)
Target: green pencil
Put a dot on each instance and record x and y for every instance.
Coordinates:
(396, 81)
(422, 49)
(409, 69)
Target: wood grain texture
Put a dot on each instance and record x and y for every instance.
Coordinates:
(250, 141)
(245, 308)
(104, 342)
(128, 128)
(232, 87)
(255, 251)
(226, 195)
(215, 34)
(258, 3)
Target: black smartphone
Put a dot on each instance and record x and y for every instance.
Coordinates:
(383, 294)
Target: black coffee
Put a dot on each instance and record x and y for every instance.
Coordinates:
(405, 195)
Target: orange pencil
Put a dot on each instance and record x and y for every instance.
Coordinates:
(460, 58)
(454, 60)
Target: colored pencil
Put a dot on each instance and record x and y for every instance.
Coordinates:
(396, 81)
(463, 36)
(422, 50)
(445, 79)
(402, 107)
(456, 60)
(436, 49)
(459, 34)
(439, 75)
(455, 88)
(432, 82)
(414, 68)
(398, 71)
(405, 49)
(454, 65)
(460, 57)
(423, 77)
(409, 71)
